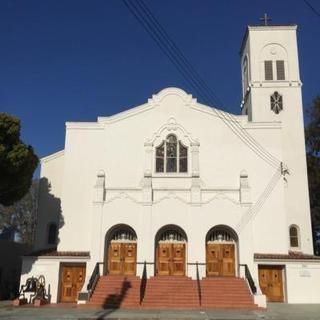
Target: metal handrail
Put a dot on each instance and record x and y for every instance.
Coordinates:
(94, 279)
(249, 278)
(198, 283)
(143, 283)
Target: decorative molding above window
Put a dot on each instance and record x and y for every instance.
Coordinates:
(274, 63)
(276, 102)
(171, 151)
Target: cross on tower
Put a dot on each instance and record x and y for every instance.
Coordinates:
(265, 19)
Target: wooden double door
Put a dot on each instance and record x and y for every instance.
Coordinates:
(72, 280)
(122, 258)
(220, 259)
(171, 259)
(271, 282)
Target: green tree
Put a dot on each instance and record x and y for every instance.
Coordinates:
(312, 134)
(21, 216)
(17, 161)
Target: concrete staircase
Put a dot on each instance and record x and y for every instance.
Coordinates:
(226, 293)
(172, 293)
(116, 292)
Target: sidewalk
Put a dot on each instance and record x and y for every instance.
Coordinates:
(274, 312)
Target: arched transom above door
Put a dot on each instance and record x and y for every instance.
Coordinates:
(221, 234)
(124, 234)
(172, 236)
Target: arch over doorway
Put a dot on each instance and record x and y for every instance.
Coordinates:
(170, 254)
(121, 250)
(221, 251)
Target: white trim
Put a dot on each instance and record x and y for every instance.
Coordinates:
(52, 156)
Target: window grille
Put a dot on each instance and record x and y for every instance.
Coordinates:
(124, 235)
(172, 235)
(220, 235)
(280, 70)
(171, 156)
(268, 72)
(276, 102)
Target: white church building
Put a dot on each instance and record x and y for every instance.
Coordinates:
(175, 188)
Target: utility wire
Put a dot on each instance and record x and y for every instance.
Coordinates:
(254, 210)
(157, 32)
(176, 49)
(148, 21)
(312, 8)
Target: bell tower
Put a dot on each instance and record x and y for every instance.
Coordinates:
(270, 72)
(271, 92)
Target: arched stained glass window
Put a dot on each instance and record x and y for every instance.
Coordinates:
(171, 156)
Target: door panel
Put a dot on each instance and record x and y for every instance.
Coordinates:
(271, 284)
(115, 259)
(178, 259)
(129, 252)
(213, 260)
(171, 259)
(122, 257)
(220, 260)
(164, 257)
(72, 280)
(228, 260)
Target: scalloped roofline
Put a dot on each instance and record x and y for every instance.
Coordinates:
(152, 102)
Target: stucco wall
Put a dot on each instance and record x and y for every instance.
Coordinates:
(49, 267)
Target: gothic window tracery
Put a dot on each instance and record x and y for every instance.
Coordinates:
(171, 156)
(276, 102)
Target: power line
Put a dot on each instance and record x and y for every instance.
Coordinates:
(254, 210)
(157, 32)
(312, 8)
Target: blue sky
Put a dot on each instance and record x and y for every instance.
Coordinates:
(77, 60)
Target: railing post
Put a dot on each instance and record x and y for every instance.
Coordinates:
(143, 283)
(249, 278)
(198, 282)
